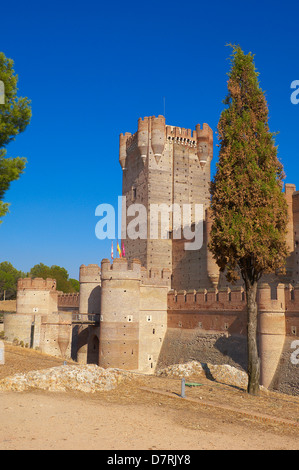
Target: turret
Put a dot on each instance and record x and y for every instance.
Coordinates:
(158, 136)
(204, 144)
(142, 137)
(123, 149)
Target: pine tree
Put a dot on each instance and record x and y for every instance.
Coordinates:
(15, 115)
(248, 235)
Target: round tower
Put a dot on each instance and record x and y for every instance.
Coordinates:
(90, 289)
(119, 328)
(272, 330)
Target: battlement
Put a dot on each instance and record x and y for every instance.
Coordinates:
(206, 299)
(90, 270)
(156, 277)
(153, 133)
(37, 284)
(292, 298)
(90, 273)
(269, 299)
(120, 268)
(68, 300)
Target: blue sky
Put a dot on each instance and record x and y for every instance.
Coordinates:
(92, 69)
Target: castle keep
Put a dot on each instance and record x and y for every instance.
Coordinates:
(163, 304)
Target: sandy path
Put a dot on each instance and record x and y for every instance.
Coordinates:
(58, 421)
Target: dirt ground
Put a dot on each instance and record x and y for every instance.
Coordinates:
(143, 413)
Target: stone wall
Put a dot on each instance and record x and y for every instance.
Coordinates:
(209, 325)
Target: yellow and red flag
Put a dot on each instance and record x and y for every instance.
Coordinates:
(118, 249)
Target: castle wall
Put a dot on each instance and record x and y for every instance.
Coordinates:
(18, 327)
(210, 325)
(55, 334)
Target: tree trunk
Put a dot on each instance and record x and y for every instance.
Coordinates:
(253, 357)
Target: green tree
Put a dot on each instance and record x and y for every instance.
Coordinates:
(61, 275)
(75, 284)
(15, 115)
(248, 235)
(8, 280)
(40, 270)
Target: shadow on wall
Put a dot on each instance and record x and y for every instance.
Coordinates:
(85, 345)
(93, 350)
(94, 301)
(233, 348)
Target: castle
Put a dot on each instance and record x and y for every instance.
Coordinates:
(163, 304)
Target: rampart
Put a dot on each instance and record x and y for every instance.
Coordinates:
(68, 301)
(222, 314)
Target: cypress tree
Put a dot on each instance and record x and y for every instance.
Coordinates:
(248, 236)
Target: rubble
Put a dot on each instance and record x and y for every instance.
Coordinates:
(84, 378)
(221, 373)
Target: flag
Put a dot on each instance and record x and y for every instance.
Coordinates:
(124, 251)
(112, 250)
(118, 249)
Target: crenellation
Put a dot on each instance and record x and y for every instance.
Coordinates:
(68, 300)
(37, 284)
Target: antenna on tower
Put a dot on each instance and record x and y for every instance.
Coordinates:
(164, 106)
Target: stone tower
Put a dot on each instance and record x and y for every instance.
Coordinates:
(133, 315)
(164, 164)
